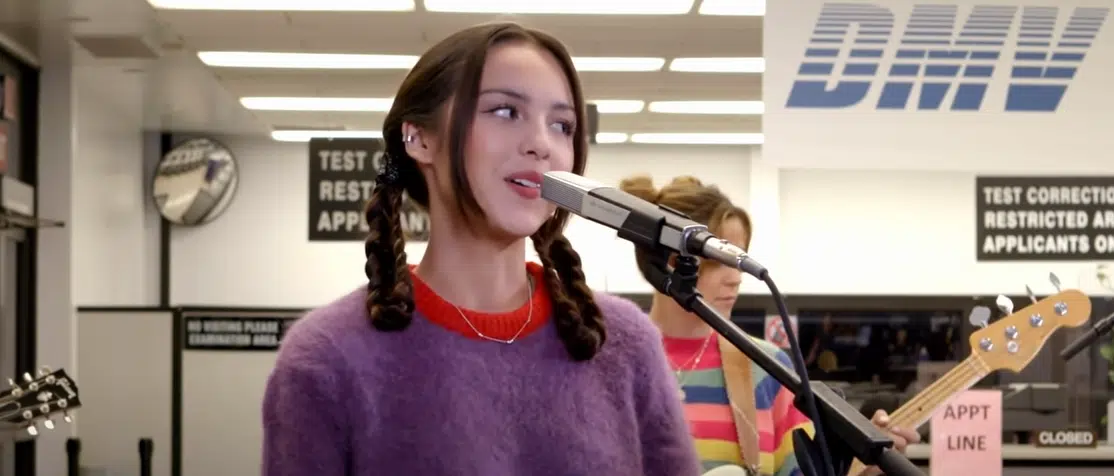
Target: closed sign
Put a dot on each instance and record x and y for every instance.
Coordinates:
(1065, 438)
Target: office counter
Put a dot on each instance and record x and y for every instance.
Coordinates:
(1028, 460)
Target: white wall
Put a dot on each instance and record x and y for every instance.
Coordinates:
(115, 228)
(819, 231)
(91, 177)
(897, 232)
(257, 253)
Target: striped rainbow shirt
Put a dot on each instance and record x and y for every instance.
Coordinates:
(710, 417)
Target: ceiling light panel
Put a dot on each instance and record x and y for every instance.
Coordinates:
(708, 107)
(254, 59)
(618, 106)
(565, 7)
(305, 136)
(288, 5)
(317, 104)
(749, 8)
(259, 59)
(709, 138)
(718, 65)
(611, 137)
(618, 64)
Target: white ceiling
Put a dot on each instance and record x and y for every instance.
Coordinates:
(182, 93)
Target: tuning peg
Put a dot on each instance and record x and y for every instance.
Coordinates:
(1055, 281)
(1004, 304)
(980, 316)
(27, 377)
(32, 430)
(66, 417)
(11, 382)
(1029, 291)
(44, 371)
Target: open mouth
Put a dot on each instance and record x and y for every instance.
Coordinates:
(525, 183)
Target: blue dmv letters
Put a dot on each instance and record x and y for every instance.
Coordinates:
(937, 47)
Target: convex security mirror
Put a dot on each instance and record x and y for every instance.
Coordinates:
(195, 182)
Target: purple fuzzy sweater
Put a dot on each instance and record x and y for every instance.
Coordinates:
(346, 400)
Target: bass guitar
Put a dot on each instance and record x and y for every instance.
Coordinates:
(1010, 343)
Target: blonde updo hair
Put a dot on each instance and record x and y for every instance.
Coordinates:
(704, 204)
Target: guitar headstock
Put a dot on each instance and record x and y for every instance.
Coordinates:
(37, 399)
(1011, 342)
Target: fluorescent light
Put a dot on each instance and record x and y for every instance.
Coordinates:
(305, 136)
(611, 137)
(619, 106)
(288, 5)
(718, 65)
(317, 104)
(252, 59)
(618, 64)
(750, 8)
(707, 107)
(564, 7)
(698, 138)
(256, 59)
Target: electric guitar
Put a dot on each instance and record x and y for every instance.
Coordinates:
(1010, 343)
(36, 400)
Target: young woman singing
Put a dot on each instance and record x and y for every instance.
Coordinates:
(475, 362)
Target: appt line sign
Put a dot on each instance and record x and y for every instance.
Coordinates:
(967, 435)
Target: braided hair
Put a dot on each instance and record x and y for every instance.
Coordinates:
(451, 70)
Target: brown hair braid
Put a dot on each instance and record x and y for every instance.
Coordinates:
(450, 72)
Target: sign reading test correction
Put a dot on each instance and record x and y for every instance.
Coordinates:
(1045, 218)
(342, 175)
(967, 435)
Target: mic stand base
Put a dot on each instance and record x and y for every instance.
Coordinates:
(853, 435)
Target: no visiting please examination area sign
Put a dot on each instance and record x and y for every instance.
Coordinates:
(236, 333)
(1045, 218)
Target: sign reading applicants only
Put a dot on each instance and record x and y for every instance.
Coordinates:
(342, 175)
(1044, 218)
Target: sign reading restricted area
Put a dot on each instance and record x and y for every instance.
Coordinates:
(236, 333)
(1045, 218)
(953, 85)
(342, 175)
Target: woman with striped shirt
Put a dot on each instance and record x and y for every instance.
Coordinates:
(738, 414)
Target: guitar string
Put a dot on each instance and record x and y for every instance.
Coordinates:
(965, 371)
(962, 375)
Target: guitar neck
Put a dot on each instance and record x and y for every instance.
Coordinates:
(918, 410)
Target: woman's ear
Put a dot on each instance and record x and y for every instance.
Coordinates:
(416, 144)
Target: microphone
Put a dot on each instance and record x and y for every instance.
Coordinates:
(643, 223)
(1101, 328)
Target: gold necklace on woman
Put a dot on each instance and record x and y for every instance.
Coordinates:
(695, 360)
(529, 316)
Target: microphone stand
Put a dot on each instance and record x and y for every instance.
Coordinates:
(854, 435)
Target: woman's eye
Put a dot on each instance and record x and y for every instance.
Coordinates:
(563, 127)
(506, 112)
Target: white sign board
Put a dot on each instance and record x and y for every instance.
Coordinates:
(983, 86)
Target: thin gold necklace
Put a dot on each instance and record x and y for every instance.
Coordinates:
(695, 359)
(529, 317)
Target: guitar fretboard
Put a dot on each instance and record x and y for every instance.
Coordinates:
(918, 410)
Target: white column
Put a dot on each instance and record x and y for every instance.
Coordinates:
(55, 306)
(764, 206)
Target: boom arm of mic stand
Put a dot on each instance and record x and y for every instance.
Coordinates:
(855, 436)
